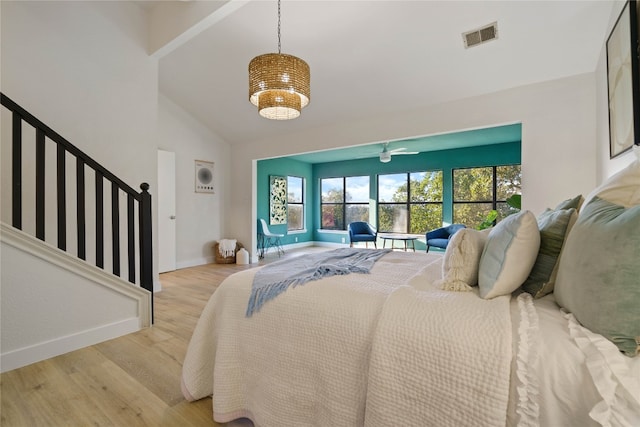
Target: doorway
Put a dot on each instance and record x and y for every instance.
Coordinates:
(166, 211)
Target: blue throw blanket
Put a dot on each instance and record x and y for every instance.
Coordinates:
(273, 279)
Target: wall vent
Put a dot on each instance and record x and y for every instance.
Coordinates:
(480, 35)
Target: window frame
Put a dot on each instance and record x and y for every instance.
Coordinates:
(494, 189)
(408, 203)
(344, 204)
(301, 204)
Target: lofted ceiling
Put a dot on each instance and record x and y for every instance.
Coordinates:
(373, 58)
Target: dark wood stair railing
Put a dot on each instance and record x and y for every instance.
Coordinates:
(63, 147)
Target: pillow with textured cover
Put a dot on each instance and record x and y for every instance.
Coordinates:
(509, 255)
(554, 226)
(599, 273)
(462, 260)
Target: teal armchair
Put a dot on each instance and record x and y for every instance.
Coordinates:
(361, 231)
(439, 238)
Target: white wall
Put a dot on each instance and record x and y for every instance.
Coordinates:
(100, 91)
(558, 141)
(46, 304)
(565, 146)
(82, 68)
(200, 217)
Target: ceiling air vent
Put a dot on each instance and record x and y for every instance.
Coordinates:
(480, 35)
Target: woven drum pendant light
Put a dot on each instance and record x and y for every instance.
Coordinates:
(279, 83)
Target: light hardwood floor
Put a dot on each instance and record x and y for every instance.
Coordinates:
(133, 380)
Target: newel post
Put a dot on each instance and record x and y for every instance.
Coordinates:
(146, 242)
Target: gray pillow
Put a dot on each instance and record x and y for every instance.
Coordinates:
(575, 203)
(599, 273)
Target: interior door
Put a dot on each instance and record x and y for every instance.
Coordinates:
(166, 211)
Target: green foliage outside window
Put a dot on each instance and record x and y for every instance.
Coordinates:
(416, 204)
(477, 202)
(344, 200)
(295, 203)
(332, 210)
(412, 202)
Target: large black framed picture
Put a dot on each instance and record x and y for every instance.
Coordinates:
(623, 81)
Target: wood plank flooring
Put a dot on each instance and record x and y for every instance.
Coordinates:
(133, 380)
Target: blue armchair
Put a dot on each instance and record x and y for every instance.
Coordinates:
(439, 238)
(361, 231)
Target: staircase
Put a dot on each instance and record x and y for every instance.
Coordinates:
(67, 222)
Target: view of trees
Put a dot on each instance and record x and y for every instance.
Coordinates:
(333, 209)
(416, 205)
(412, 202)
(473, 193)
(295, 202)
(344, 200)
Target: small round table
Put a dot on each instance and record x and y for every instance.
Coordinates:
(403, 237)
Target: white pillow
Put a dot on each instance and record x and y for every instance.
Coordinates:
(509, 255)
(462, 260)
(622, 188)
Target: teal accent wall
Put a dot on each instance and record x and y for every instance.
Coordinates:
(285, 167)
(445, 160)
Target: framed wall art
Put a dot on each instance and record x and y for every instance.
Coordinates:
(204, 177)
(277, 200)
(623, 81)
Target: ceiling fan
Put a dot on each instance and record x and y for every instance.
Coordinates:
(385, 155)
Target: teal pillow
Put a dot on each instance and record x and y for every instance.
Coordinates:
(553, 226)
(599, 273)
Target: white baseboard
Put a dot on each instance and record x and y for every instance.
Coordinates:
(254, 258)
(331, 244)
(157, 286)
(194, 262)
(45, 350)
(298, 245)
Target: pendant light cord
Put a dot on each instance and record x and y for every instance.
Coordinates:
(278, 26)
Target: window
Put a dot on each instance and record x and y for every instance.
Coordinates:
(410, 202)
(477, 191)
(295, 200)
(344, 200)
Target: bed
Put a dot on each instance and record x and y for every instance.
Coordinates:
(416, 342)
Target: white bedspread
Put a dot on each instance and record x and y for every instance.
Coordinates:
(303, 360)
(440, 358)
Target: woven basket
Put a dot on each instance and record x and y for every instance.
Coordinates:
(225, 260)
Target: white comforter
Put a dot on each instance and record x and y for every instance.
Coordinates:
(380, 349)
(390, 349)
(439, 358)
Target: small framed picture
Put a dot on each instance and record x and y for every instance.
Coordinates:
(204, 177)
